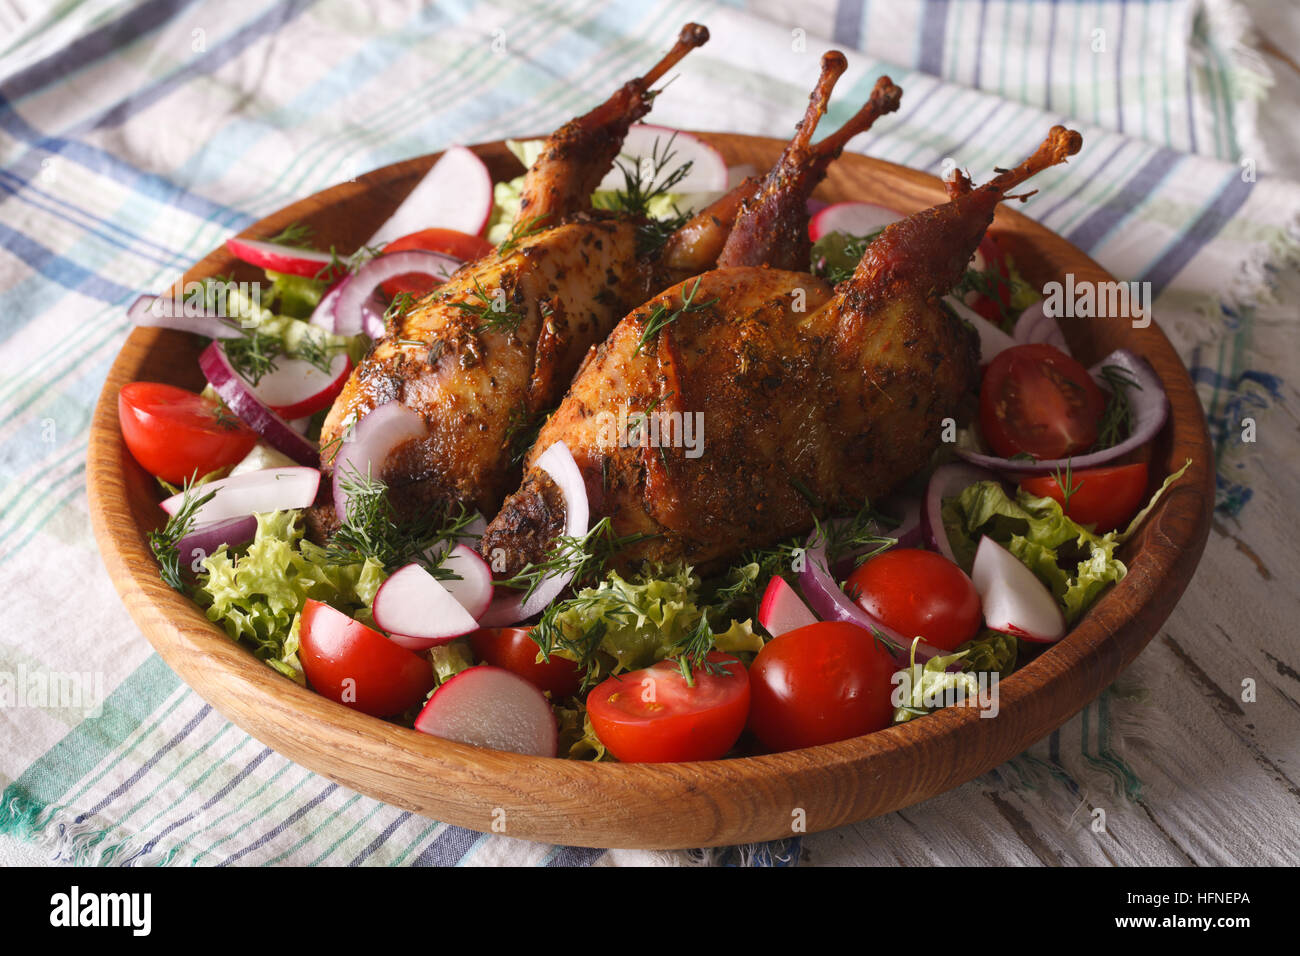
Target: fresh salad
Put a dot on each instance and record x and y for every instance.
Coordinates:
(873, 618)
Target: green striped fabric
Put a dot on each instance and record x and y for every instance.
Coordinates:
(137, 136)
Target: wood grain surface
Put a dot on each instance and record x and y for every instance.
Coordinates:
(665, 805)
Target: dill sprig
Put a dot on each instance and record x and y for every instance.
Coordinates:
(653, 234)
(163, 542)
(1065, 483)
(522, 229)
(494, 313)
(584, 557)
(835, 272)
(660, 317)
(1117, 418)
(400, 305)
(991, 284)
(692, 651)
(644, 181)
(521, 430)
(295, 234)
(317, 352)
(253, 354)
(372, 529)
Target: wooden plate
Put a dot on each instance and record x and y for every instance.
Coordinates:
(656, 805)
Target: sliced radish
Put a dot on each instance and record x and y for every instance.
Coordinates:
(947, 480)
(456, 193)
(296, 388)
(992, 339)
(556, 461)
(1014, 600)
(237, 393)
(368, 445)
(159, 312)
(287, 259)
(491, 707)
(254, 492)
(781, 610)
(472, 586)
(851, 218)
(358, 309)
(418, 612)
(708, 172)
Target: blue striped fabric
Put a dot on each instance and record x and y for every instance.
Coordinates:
(136, 136)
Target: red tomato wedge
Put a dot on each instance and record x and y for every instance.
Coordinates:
(1037, 400)
(357, 666)
(919, 594)
(510, 648)
(458, 245)
(1105, 497)
(177, 435)
(821, 683)
(654, 716)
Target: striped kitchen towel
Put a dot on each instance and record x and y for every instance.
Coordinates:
(136, 136)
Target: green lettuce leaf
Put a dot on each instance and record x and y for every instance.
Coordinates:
(257, 596)
(918, 687)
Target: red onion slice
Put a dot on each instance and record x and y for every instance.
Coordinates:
(1150, 409)
(1035, 325)
(204, 540)
(323, 314)
(238, 394)
(350, 317)
(158, 312)
(368, 445)
(947, 480)
(253, 492)
(557, 462)
(830, 603)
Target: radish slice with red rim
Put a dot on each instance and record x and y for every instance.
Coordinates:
(781, 610)
(472, 581)
(290, 260)
(368, 445)
(644, 141)
(254, 492)
(238, 394)
(556, 461)
(491, 707)
(947, 480)
(418, 611)
(851, 219)
(296, 388)
(1014, 600)
(159, 312)
(1150, 409)
(357, 292)
(456, 193)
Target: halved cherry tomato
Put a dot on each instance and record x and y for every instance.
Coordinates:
(178, 435)
(1105, 497)
(1037, 400)
(820, 683)
(919, 594)
(357, 666)
(653, 715)
(512, 649)
(459, 245)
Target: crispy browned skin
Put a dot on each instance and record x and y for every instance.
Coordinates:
(843, 401)
(475, 376)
